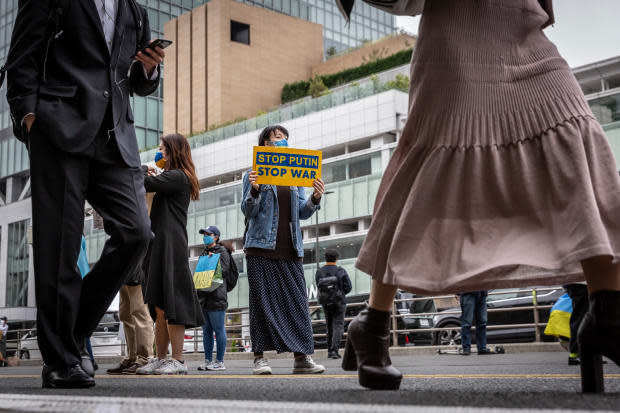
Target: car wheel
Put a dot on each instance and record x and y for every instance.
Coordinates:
(25, 355)
(448, 337)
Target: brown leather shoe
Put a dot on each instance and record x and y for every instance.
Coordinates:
(132, 369)
(368, 351)
(119, 370)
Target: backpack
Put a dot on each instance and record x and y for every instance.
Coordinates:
(330, 293)
(59, 9)
(233, 277)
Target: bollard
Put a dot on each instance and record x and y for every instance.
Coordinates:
(536, 317)
(394, 326)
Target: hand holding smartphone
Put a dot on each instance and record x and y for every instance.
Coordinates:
(161, 43)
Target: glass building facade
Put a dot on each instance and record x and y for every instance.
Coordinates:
(17, 265)
(367, 23)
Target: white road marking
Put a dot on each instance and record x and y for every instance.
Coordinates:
(73, 404)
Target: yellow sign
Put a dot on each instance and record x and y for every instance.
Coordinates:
(286, 166)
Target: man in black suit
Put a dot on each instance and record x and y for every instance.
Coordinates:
(71, 99)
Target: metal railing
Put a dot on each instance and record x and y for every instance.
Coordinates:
(237, 342)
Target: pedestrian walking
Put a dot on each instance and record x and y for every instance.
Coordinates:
(333, 284)
(531, 189)
(474, 308)
(170, 293)
(214, 303)
(70, 71)
(279, 315)
(4, 330)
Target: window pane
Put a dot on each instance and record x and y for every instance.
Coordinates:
(239, 32)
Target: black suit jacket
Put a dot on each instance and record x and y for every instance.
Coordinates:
(70, 81)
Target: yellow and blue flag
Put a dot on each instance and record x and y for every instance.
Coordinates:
(208, 273)
(559, 320)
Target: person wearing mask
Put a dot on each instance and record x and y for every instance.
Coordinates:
(4, 329)
(474, 307)
(170, 292)
(214, 303)
(532, 188)
(279, 315)
(73, 69)
(333, 284)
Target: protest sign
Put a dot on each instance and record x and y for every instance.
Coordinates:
(286, 166)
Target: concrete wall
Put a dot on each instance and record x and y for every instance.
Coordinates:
(381, 48)
(215, 80)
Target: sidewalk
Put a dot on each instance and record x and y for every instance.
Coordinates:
(322, 354)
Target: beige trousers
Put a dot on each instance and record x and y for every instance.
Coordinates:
(137, 324)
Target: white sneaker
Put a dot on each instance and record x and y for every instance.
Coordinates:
(150, 367)
(205, 366)
(261, 366)
(170, 367)
(217, 366)
(305, 365)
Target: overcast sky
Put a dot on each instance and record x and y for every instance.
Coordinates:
(584, 32)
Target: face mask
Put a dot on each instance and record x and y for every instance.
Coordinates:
(283, 143)
(159, 160)
(208, 239)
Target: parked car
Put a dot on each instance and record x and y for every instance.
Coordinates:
(355, 304)
(191, 346)
(105, 340)
(415, 316)
(511, 299)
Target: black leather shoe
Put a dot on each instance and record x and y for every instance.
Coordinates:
(485, 352)
(464, 352)
(368, 351)
(599, 335)
(87, 363)
(71, 377)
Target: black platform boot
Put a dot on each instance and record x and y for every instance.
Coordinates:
(599, 335)
(368, 351)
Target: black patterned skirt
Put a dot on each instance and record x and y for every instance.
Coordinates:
(279, 315)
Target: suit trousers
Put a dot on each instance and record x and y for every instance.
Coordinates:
(69, 308)
(137, 324)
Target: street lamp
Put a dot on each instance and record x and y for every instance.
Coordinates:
(316, 230)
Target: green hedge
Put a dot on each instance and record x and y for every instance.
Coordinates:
(298, 90)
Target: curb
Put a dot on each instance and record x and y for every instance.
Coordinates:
(514, 348)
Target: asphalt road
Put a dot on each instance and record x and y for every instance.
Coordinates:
(513, 381)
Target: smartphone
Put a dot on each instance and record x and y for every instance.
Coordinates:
(163, 43)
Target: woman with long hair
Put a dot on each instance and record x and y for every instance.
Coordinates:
(170, 291)
(279, 316)
(502, 178)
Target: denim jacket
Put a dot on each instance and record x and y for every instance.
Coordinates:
(262, 215)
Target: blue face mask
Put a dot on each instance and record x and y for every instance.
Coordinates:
(208, 240)
(283, 143)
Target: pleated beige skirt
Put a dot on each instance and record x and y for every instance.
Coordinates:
(503, 177)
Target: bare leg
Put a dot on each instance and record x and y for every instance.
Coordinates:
(177, 334)
(601, 274)
(161, 334)
(382, 296)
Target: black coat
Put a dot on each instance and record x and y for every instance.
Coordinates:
(217, 300)
(71, 90)
(344, 282)
(169, 283)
